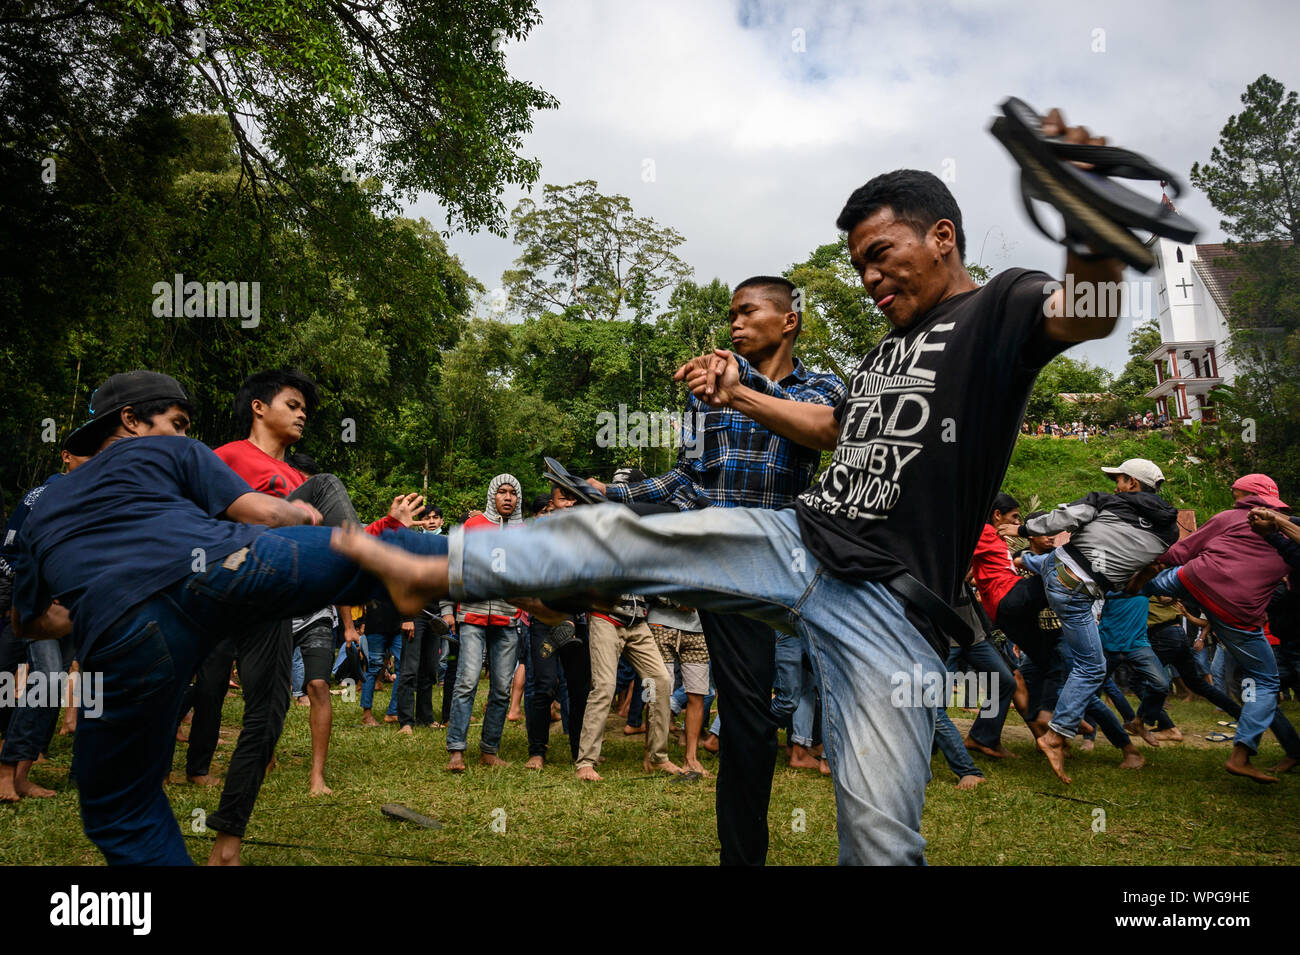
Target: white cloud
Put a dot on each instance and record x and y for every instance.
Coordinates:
(756, 146)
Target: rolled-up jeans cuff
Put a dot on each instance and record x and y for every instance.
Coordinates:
(1061, 731)
(456, 564)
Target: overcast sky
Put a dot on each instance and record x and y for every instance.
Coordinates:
(755, 145)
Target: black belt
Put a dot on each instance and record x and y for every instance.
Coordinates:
(944, 621)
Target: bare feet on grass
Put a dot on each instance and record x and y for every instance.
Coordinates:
(634, 730)
(492, 759)
(368, 718)
(667, 766)
(802, 758)
(824, 766)
(318, 787)
(407, 730)
(1171, 735)
(1132, 758)
(389, 718)
(1137, 728)
(1085, 746)
(1287, 764)
(1000, 753)
(710, 743)
(1053, 745)
(457, 762)
(207, 779)
(534, 762)
(412, 581)
(589, 774)
(970, 782)
(1239, 765)
(695, 766)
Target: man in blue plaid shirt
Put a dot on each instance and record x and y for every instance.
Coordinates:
(736, 462)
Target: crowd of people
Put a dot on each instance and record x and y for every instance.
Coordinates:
(793, 598)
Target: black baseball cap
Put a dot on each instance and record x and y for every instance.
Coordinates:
(118, 392)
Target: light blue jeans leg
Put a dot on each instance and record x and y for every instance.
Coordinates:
(794, 703)
(503, 652)
(1087, 659)
(473, 648)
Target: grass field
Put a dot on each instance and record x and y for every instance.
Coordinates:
(1182, 808)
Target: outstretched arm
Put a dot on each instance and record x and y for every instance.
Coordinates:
(257, 508)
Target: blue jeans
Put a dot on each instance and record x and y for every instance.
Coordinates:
(752, 562)
(794, 705)
(1250, 650)
(947, 739)
(32, 727)
(1073, 605)
(378, 647)
(148, 655)
(500, 646)
(299, 674)
(1151, 675)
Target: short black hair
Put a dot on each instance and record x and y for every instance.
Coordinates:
(541, 502)
(1004, 503)
(918, 198)
(433, 511)
(782, 294)
(146, 411)
(265, 385)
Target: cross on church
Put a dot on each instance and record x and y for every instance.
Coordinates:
(1184, 285)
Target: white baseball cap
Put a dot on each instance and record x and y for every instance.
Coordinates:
(1140, 469)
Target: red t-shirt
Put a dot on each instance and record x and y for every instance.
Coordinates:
(275, 477)
(993, 570)
(262, 472)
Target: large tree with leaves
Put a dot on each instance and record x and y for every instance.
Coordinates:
(590, 253)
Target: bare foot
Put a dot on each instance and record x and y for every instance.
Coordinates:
(824, 766)
(1086, 728)
(318, 788)
(181, 737)
(207, 779)
(457, 762)
(411, 581)
(389, 718)
(801, 758)
(1000, 753)
(1287, 764)
(534, 762)
(407, 731)
(1053, 745)
(225, 850)
(667, 766)
(302, 700)
(695, 766)
(492, 759)
(368, 719)
(1171, 735)
(1239, 765)
(7, 791)
(1137, 728)
(1132, 758)
(589, 774)
(1085, 746)
(710, 743)
(969, 782)
(514, 716)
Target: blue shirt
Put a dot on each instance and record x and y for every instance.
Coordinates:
(1123, 624)
(730, 460)
(134, 519)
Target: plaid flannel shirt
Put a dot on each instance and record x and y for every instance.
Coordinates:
(735, 461)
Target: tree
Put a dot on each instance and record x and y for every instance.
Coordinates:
(591, 253)
(1253, 175)
(414, 92)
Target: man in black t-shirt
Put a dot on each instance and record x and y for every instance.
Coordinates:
(864, 566)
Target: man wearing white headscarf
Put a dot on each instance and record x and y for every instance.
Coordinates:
(489, 630)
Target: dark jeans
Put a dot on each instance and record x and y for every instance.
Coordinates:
(742, 652)
(1170, 645)
(575, 662)
(148, 655)
(984, 657)
(210, 686)
(32, 727)
(419, 671)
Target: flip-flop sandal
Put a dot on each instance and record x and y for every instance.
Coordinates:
(687, 777)
(559, 475)
(1227, 723)
(1217, 737)
(395, 810)
(1098, 212)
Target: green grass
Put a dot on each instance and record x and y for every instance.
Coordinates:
(1059, 470)
(1182, 808)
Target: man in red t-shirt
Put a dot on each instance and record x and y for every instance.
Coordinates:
(273, 406)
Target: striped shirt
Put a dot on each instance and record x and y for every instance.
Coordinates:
(729, 460)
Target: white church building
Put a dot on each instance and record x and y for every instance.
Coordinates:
(1192, 296)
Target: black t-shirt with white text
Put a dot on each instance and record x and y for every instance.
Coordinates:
(926, 432)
